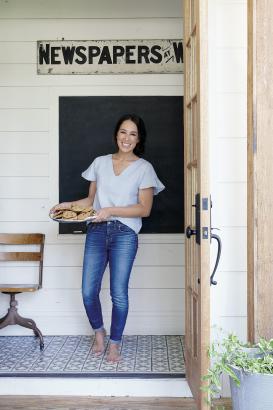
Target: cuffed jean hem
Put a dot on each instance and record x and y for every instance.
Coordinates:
(99, 329)
(115, 342)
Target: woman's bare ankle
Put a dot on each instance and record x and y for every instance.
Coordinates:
(98, 346)
(114, 352)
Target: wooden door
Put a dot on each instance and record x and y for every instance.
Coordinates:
(197, 197)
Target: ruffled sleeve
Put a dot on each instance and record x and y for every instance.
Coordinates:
(150, 180)
(90, 172)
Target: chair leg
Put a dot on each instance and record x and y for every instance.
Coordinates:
(8, 319)
(3, 321)
(13, 318)
(30, 324)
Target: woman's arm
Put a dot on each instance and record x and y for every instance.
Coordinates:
(142, 209)
(86, 202)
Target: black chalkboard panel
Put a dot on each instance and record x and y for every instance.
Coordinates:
(86, 127)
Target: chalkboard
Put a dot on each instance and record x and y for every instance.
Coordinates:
(86, 126)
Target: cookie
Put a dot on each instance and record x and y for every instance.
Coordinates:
(87, 209)
(69, 215)
(57, 214)
(83, 215)
(63, 208)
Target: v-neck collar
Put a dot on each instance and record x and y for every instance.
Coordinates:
(125, 169)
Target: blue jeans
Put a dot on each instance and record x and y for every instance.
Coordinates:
(117, 244)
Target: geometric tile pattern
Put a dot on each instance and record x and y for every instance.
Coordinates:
(64, 356)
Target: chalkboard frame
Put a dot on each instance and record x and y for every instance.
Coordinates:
(86, 125)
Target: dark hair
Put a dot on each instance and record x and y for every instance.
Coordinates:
(141, 129)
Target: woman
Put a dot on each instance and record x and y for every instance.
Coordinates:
(121, 190)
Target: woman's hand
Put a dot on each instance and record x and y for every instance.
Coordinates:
(61, 205)
(103, 214)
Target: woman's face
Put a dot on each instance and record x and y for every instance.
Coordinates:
(127, 136)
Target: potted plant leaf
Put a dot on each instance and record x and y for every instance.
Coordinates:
(250, 370)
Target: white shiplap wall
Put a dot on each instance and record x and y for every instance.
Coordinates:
(29, 160)
(228, 155)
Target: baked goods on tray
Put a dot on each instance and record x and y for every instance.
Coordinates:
(76, 213)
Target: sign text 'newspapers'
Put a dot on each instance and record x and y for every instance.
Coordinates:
(110, 57)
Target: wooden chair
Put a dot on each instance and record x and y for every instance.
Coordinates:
(13, 317)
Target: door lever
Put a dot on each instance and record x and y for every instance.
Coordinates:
(219, 250)
(190, 232)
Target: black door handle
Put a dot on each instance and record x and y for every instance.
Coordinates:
(197, 232)
(190, 232)
(219, 250)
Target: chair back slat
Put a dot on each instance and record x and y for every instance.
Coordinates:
(24, 239)
(21, 238)
(20, 256)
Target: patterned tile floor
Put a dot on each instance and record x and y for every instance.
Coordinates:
(71, 356)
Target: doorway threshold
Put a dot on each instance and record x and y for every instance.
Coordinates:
(70, 356)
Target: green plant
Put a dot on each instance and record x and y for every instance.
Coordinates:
(231, 351)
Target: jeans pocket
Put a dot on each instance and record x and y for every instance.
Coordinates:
(125, 228)
(93, 227)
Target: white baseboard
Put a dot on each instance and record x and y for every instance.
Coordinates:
(94, 387)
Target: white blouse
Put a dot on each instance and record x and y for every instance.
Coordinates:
(123, 189)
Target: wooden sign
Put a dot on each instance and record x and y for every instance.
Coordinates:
(110, 57)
